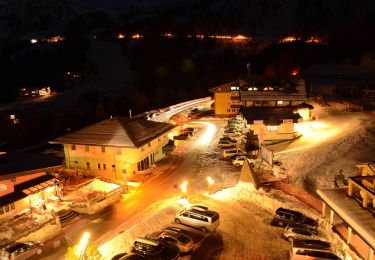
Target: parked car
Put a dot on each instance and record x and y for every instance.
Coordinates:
(128, 256)
(227, 138)
(232, 151)
(226, 144)
(190, 133)
(182, 136)
(205, 220)
(190, 129)
(291, 233)
(239, 161)
(22, 250)
(174, 238)
(287, 216)
(232, 132)
(154, 249)
(314, 249)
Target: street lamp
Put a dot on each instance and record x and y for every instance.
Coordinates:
(82, 246)
(184, 188)
(210, 183)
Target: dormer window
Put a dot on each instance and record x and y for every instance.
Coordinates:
(252, 89)
(234, 88)
(268, 88)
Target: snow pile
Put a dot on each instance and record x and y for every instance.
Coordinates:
(98, 185)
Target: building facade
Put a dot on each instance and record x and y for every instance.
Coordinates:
(269, 125)
(25, 182)
(231, 97)
(115, 148)
(351, 210)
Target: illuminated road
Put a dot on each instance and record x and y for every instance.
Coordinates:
(131, 209)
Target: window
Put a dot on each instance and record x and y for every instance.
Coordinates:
(234, 88)
(1, 210)
(252, 89)
(104, 167)
(142, 148)
(6, 208)
(279, 102)
(73, 147)
(149, 144)
(113, 167)
(228, 110)
(159, 139)
(12, 207)
(98, 166)
(272, 128)
(118, 151)
(165, 136)
(87, 148)
(88, 166)
(103, 149)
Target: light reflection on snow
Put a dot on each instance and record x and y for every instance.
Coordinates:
(208, 135)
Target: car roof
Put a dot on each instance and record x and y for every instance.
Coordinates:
(311, 244)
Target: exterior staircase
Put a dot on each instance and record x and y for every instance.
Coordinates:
(67, 216)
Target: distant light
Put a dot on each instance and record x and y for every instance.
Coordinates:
(210, 180)
(289, 39)
(184, 187)
(12, 117)
(33, 41)
(137, 36)
(294, 73)
(241, 38)
(120, 36)
(168, 35)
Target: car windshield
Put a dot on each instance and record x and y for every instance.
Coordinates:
(183, 239)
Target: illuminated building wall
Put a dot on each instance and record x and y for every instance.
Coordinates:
(109, 162)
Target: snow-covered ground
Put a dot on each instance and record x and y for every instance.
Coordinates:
(340, 140)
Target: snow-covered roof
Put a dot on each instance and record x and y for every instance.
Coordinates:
(118, 132)
(358, 218)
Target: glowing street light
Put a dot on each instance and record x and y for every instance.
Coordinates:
(183, 187)
(33, 41)
(210, 182)
(82, 246)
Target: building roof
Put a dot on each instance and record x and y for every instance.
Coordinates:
(226, 87)
(269, 116)
(118, 132)
(24, 189)
(359, 219)
(16, 164)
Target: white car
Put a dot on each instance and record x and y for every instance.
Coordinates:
(239, 161)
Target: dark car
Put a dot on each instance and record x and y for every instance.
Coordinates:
(182, 136)
(289, 217)
(129, 256)
(154, 249)
(23, 250)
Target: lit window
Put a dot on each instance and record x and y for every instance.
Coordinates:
(103, 149)
(73, 147)
(118, 151)
(252, 88)
(279, 102)
(234, 88)
(87, 148)
(272, 127)
(268, 88)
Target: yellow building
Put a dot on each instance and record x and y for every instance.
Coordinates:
(25, 183)
(115, 148)
(271, 125)
(231, 97)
